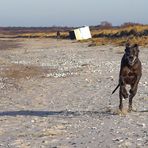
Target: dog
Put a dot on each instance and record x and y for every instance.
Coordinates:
(130, 74)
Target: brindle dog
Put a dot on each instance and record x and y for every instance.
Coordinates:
(130, 74)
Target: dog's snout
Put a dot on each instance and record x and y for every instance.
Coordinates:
(131, 57)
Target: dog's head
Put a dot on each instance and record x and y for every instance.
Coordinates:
(131, 53)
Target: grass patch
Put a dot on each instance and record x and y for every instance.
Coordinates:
(120, 36)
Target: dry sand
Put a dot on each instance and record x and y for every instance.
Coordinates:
(57, 94)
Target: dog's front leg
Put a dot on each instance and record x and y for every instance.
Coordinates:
(135, 85)
(133, 92)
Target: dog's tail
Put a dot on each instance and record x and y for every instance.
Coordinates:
(115, 88)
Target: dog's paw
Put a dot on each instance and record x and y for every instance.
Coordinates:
(122, 112)
(132, 109)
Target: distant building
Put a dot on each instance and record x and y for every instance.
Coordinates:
(80, 33)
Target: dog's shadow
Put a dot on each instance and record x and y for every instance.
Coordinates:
(143, 111)
(64, 113)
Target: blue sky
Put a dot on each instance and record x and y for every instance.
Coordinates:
(71, 12)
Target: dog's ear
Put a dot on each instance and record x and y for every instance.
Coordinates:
(136, 46)
(127, 46)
